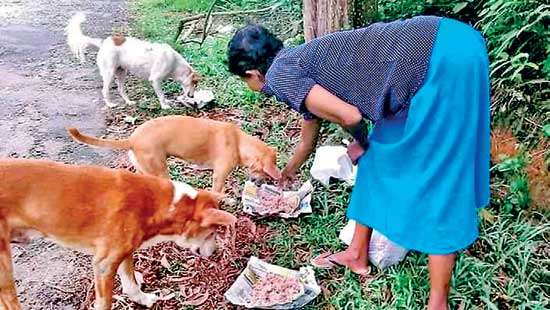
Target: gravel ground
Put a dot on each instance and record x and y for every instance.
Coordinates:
(42, 90)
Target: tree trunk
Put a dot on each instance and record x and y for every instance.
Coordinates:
(324, 16)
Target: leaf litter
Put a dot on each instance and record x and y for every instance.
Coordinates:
(183, 279)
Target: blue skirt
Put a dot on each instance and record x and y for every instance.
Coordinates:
(427, 169)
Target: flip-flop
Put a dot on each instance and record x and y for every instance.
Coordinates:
(326, 261)
(323, 261)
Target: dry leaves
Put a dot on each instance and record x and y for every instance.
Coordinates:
(503, 144)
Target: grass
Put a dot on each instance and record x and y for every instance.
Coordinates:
(507, 268)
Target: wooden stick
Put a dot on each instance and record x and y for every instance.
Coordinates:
(189, 31)
(207, 22)
(199, 16)
(182, 22)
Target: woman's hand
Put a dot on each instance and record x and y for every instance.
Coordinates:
(288, 176)
(309, 135)
(355, 151)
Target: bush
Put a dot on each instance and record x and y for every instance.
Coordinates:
(517, 39)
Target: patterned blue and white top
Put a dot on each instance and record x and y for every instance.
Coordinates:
(378, 69)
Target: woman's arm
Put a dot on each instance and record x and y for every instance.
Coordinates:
(325, 105)
(309, 135)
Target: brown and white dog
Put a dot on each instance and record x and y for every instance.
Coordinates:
(217, 145)
(118, 55)
(110, 213)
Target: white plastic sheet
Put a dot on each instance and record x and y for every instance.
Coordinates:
(199, 100)
(383, 252)
(333, 162)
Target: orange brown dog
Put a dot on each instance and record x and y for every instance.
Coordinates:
(213, 144)
(109, 213)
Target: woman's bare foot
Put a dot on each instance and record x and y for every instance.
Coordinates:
(356, 263)
(355, 257)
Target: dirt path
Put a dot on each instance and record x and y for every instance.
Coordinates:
(42, 90)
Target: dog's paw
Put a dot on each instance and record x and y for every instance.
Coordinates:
(145, 299)
(165, 106)
(130, 102)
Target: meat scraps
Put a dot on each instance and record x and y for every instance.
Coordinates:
(273, 289)
(273, 202)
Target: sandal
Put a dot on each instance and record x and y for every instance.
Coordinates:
(327, 262)
(324, 261)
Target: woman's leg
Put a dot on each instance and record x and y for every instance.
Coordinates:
(356, 256)
(441, 270)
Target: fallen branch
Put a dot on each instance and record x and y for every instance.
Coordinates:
(205, 29)
(208, 15)
(207, 22)
(189, 31)
(63, 290)
(199, 16)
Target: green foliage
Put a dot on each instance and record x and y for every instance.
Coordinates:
(513, 175)
(464, 10)
(519, 47)
(191, 5)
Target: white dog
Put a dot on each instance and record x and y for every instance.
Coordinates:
(118, 55)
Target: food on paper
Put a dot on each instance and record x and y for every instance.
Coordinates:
(265, 286)
(273, 202)
(269, 200)
(274, 289)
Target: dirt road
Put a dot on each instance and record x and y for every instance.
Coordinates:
(42, 90)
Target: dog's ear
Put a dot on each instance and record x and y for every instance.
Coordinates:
(196, 77)
(212, 217)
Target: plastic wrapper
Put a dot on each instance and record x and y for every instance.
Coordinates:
(382, 251)
(241, 292)
(333, 162)
(200, 99)
(300, 199)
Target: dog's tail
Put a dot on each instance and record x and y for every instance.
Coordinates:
(77, 41)
(107, 143)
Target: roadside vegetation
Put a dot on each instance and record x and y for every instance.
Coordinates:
(507, 268)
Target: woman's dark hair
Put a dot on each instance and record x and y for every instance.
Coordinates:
(252, 48)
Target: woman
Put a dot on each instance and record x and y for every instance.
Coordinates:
(424, 169)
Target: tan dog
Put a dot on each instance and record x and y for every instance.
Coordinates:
(213, 144)
(110, 213)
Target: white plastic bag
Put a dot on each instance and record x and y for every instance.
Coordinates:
(333, 161)
(382, 251)
(199, 100)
